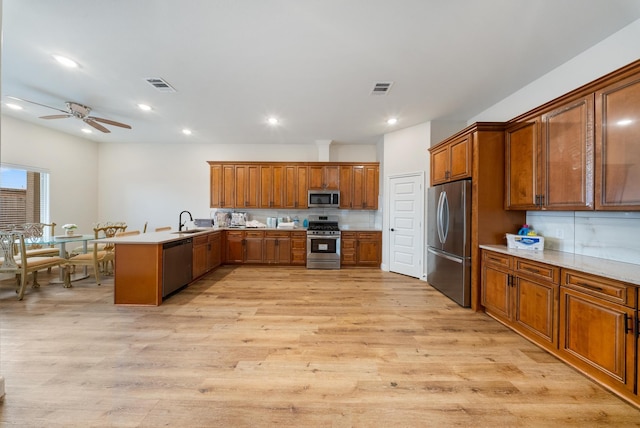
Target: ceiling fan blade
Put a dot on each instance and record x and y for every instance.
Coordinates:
(56, 116)
(99, 127)
(109, 122)
(38, 104)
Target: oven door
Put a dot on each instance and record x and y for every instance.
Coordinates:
(323, 252)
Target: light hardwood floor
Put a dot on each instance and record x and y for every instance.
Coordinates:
(286, 347)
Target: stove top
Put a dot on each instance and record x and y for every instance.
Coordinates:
(323, 224)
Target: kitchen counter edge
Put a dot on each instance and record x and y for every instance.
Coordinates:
(620, 271)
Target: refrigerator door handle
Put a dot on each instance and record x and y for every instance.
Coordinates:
(453, 259)
(439, 218)
(445, 217)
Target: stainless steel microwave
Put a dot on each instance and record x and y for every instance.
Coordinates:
(323, 199)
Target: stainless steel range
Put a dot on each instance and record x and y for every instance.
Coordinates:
(323, 242)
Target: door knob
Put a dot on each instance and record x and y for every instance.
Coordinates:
(392, 229)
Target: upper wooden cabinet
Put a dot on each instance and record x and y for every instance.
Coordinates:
(222, 186)
(296, 182)
(579, 151)
(285, 185)
(618, 145)
(451, 161)
(359, 186)
(324, 177)
(550, 159)
(272, 186)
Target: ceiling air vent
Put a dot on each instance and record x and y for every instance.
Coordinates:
(381, 88)
(160, 84)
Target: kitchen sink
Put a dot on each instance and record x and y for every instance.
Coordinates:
(189, 231)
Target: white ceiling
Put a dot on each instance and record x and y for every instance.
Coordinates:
(312, 63)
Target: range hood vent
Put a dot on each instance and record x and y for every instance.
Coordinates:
(160, 84)
(381, 88)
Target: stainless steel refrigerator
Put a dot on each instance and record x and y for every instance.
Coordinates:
(449, 240)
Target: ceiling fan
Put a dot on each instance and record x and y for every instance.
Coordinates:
(81, 112)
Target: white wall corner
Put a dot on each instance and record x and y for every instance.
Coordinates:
(324, 152)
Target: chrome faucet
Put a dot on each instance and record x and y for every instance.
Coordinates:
(180, 223)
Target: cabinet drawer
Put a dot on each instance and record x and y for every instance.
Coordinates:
(235, 233)
(603, 288)
(200, 240)
(299, 235)
(496, 259)
(276, 234)
(298, 244)
(254, 234)
(348, 235)
(368, 235)
(538, 270)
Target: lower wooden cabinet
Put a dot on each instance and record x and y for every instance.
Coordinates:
(597, 332)
(590, 322)
(360, 248)
(299, 248)
(523, 295)
(277, 247)
(253, 246)
(206, 253)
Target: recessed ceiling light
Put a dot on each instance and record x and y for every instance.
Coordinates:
(65, 61)
(273, 121)
(186, 131)
(14, 106)
(392, 121)
(87, 130)
(144, 107)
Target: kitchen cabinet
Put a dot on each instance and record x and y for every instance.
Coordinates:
(200, 264)
(324, 177)
(253, 243)
(222, 186)
(597, 317)
(550, 159)
(451, 161)
(295, 186)
(272, 186)
(277, 247)
(359, 186)
(234, 246)
(360, 248)
(206, 253)
(299, 248)
(617, 150)
(247, 186)
(523, 295)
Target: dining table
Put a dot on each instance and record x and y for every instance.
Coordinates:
(62, 241)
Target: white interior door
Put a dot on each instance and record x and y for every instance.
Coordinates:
(406, 199)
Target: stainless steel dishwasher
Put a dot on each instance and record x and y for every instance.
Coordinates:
(177, 259)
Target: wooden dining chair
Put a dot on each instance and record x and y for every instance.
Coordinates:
(102, 254)
(163, 229)
(21, 266)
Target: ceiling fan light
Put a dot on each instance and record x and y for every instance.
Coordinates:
(87, 130)
(65, 61)
(273, 121)
(144, 107)
(186, 131)
(392, 121)
(14, 106)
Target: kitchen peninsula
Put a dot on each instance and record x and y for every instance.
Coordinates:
(151, 266)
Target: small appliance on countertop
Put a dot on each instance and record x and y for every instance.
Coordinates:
(238, 220)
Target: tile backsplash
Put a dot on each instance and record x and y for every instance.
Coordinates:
(608, 235)
(347, 219)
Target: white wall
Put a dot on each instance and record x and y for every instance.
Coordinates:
(157, 182)
(72, 163)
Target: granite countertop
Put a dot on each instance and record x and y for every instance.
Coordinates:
(627, 272)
